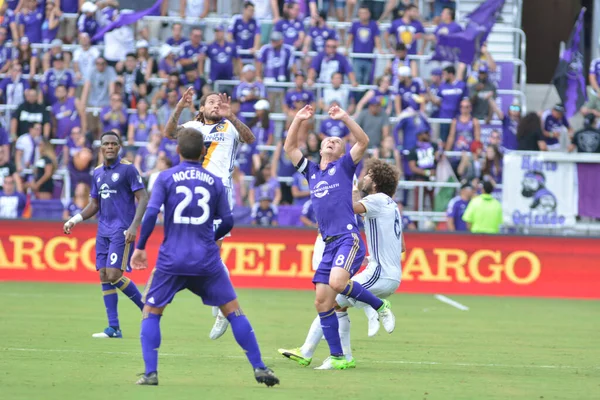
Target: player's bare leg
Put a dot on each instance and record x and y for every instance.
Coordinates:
(150, 338)
(244, 336)
(221, 322)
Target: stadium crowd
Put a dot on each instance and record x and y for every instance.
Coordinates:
(272, 57)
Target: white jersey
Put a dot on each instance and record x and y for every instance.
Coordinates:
(222, 141)
(383, 226)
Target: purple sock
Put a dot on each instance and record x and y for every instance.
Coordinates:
(129, 289)
(150, 338)
(244, 335)
(356, 291)
(111, 298)
(330, 326)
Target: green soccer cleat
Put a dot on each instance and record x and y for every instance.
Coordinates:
(295, 355)
(151, 379)
(387, 318)
(332, 362)
(266, 376)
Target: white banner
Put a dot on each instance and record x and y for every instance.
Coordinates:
(537, 192)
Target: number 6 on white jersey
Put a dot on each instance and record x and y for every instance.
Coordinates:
(202, 203)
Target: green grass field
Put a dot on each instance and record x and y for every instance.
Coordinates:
(502, 348)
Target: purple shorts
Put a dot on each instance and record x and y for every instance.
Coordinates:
(113, 252)
(347, 251)
(215, 289)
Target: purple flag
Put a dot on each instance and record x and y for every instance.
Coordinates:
(128, 19)
(568, 78)
(588, 177)
(464, 46)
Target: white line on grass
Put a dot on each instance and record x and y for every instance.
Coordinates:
(434, 363)
(451, 302)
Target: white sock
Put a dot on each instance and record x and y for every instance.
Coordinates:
(370, 313)
(312, 339)
(344, 322)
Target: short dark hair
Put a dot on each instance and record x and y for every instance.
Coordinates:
(450, 70)
(190, 142)
(488, 187)
(452, 12)
(410, 7)
(248, 4)
(132, 55)
(400, 46)
(384, 176)
(111, 133)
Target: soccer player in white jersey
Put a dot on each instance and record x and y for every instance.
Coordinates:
(383, 226)
(222, 133)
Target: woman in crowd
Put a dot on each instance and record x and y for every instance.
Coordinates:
(45, 165)
(78, 157)
(265, 184)
(313, 148)
(492, 165)
(146, 63)
(51, 22)
(261, 125)
(27, 57)
(78, 202)
(383, 92)
(529, 134)
(141, 124)
(388, 152)
(168, 63)
(147, 156)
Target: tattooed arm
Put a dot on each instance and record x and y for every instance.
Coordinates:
(246, 135)
(185, 102)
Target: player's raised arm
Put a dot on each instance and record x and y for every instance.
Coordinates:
(362, 140)
(88, 212)
(246, 134)
(291, 142)
(183, 103)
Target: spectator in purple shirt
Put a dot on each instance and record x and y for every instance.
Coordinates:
(141, 123)
(300, 189)
(333, 128)
(168, 62)
(12, 203)
(8, 21)
(29, 21)
(450, 94)
(407, 30)
(319, 34)
(274, 63)
(87, 20)
(457, 207)
(12, 88)
(168, 148)
(224, 60)
(6, 52)
(556, 127)
(191, 51)
(410, 91)
(265, 184)
(51, 22)
(245, 32)
(308, 216)
(177, 38)
(261, 125)
(363, 38)
(249, 90)
(114, 116)
(291, 27)
(67, 113)
(264, 213)
(147, 156)
(327, 63)
(298, 94)
(248, 159)
(57, 75)
(77, 156)
(447, 26)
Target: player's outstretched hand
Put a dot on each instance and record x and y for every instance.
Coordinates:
(130, 235)
(337, 113)
(139, 259)
(67, 227)
(225, 107)
(187, 99)
(305, 113)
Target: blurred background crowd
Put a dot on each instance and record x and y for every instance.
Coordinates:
(65, 80)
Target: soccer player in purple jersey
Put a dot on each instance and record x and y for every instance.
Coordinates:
(193, 198)
(330, 185)
(116, 186)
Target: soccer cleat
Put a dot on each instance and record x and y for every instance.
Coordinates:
(109, 333)
(332, 362)
(388, 320)
(151, 379)
(295, 355)
(352, 363)
(266, 376)
(219, 328)
(374, 325)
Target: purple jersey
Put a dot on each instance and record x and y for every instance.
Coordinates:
(13, 92)
(595, 69)
(6, 54)
(406, 92)
(320, 35)
(113, 186)
(48, 34)
(301, 183)
(456, 209)
(188, 50)
(244, 157)
(87, 24)
(114, 122)
(276, 62)
(193, 198)
(451, 95)
(551, 124)
(221, 60)
(308, 211)
(464, 135)
(294, 95)
(331, 195)
(243, 33)
(73, 209)
(245, 89)
(142, 126)
(69, 6)
(262, 134)
(53, 78)
(509, 133)
(447, 29)
(325, 66)
(264, 217)
(148, 159)
(290, 30)
(169, 146)
(9, 17)
(411, 127)
(406, 33)
(12, 205)
(167, 68)
(32, 23)
(364, 36)
(335, 128)
(267, 190)
(66, 116)
(176, 42)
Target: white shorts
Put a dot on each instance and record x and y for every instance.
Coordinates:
(217, 222)
(318, 252)
(380, 287)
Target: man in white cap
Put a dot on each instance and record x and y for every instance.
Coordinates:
(249, 90)
(407, 87)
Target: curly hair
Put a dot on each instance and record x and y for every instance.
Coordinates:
(384, 176)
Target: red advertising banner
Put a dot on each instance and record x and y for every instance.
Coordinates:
(281, 258)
